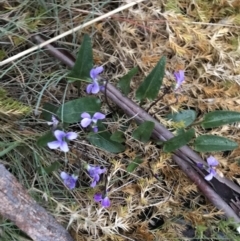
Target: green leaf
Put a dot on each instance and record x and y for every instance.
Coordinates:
(152, 83)
(180, 131)
(187, 116)
(134, 164)
(219, 118)
(84, 62)
(124, 82)
(208, 143)
(53, 167)
(48, 111)
(118, 136)
(144, 131)
(47, 137)
(102, 139)
(178, 141)
(70, 111)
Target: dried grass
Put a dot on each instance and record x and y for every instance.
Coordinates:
(199, 36)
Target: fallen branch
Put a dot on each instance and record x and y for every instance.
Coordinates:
(17, 206)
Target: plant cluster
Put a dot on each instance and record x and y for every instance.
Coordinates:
(87, 108)
(120, 183)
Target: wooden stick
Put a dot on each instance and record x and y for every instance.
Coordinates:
(20, 208)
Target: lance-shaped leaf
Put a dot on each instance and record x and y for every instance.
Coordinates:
(187, 116)
(144, 131)
(219, 118)
(208, 143)
(152, 83)
(84, 62)
(102, 139)
(178, 141)
(118, 136)
(124, 82)
(134, 164)
(70, 111)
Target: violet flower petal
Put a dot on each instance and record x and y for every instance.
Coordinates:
(54, 144)
(71, 185)
(98, 116)
(209, 177)
(101, 170)
(95, 170)
(200, 165)
(106, 202)
(71, 135)
(95, 173)
(93, 184)
(179, 75)
(91, 170)
(213, 171)
(96, 178)
(95, 72)
(212, 161)
(60, 135)
(64, 175)
(85, 115)
(85, 122)
(89, 88)
(54, 122)
(95, 88)
(64, 146)
(98, 197)
(95, 129)
(70, 182)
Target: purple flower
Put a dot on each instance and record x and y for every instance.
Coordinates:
(95, 129)
(61, 141)
(179, 76)
(212, 163)
(87, 120)
(69, 181)
(54, 122)
(94, 88)
(105, 201)
(95, 72)
(95, 173)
